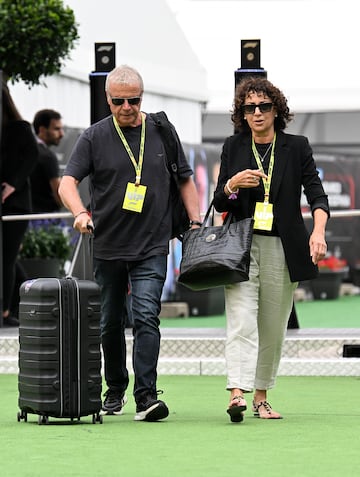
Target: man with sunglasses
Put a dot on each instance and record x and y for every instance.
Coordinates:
(262, 175)
(124, 157)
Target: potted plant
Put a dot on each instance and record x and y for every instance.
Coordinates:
(332, 270)
(45, 248)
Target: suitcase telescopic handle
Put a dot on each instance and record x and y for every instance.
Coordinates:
(86, 252)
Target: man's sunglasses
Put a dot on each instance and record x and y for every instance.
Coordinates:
(121, 101)
(250, 108)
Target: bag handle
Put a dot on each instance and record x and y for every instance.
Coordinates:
(226, 223)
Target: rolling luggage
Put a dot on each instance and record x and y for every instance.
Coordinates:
(59, 349)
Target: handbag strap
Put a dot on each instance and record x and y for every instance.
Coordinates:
(211, 209)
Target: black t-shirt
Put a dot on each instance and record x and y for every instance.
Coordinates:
(47, 168)
(100, 154)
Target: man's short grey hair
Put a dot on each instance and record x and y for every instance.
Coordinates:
(124, 74)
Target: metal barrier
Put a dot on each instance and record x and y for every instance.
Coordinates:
(68, 215)
(53, 215)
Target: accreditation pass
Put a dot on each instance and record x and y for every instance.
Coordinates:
(263, 217)
(134, 197)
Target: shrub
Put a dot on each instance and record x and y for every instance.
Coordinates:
(35, 38)
(46, 239)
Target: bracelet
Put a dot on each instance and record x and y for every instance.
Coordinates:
(82, 212)
(228, 188)
(195, 222)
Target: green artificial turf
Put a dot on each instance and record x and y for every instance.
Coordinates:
(318, 436)
(344, 312)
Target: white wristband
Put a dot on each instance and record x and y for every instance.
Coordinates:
(227, 185)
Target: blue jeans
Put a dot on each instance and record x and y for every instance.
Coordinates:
(146, 279)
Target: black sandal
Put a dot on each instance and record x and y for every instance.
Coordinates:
(236, 411)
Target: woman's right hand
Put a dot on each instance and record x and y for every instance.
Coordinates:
(247, 179)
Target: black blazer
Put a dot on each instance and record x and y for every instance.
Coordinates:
(294, 170)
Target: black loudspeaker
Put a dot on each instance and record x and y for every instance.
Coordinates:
(99, 107)
(250, 61)
(242, 73)
(250, 54)
(104, 56)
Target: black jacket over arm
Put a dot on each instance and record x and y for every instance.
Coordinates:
(294, 170)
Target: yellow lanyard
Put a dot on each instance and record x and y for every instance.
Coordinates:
(137, 165)
(266, 181)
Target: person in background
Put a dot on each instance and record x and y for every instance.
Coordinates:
(125, 159)
(262, 174)
(45, 178)
(19, 156)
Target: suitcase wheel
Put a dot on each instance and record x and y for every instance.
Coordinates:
(22, 415)
(43, 420)
(97, 418)
(74, 418)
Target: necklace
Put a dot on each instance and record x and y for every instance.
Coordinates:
(260, 148)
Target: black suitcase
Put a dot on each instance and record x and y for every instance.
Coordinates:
(59, 349)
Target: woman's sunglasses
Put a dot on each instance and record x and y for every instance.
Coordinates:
(250, 108)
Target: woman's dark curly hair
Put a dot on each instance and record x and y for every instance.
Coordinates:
(260, 85)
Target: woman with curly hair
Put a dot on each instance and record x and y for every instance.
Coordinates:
(262, 174)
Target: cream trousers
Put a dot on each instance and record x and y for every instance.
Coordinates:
(257, 313)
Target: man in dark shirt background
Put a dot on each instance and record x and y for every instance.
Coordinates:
(45, 178)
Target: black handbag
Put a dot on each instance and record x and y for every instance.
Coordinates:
(214, 256)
